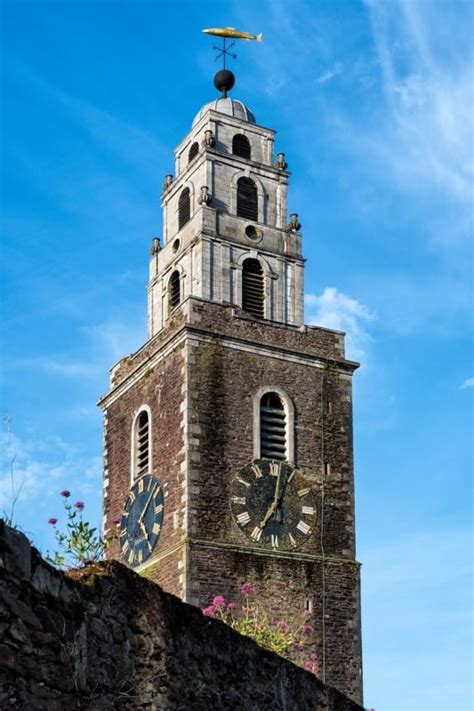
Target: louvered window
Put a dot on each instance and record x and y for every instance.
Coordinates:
(272, 427)
(252, 288)
(193, 151)
(174, 290)
(241, 146)
(184, 208)
(247, 199)
(142, 444)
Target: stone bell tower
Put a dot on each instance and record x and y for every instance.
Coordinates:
(239, 412)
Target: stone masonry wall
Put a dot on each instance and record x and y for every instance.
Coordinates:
(104, 638)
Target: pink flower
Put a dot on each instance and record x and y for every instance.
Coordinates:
(116, 521)
(219, 602)
(208, 611)
(299, 646)
(311, 666)
(52, 521)
(308, 629)
(65, 493)
(283, 626)
(247, 589)
(79, 505)
(231, 606)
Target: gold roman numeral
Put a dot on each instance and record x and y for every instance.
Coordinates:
(256, 470)
(303, 527)
(243, 518)
(256, 533)
(238, 500)
(307, 510)
(274, 468)
(242, 481)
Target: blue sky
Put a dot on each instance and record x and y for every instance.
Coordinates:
(373, 106)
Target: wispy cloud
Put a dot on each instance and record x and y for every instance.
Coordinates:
(330, 73)
(333, 309)
(101, 345)
(44, 465)
(468, 383)
(427, 136)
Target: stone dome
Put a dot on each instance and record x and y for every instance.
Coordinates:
(231, 107)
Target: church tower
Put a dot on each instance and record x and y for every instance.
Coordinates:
(228, 434)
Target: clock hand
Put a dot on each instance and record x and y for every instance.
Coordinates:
(145, 533)
(145, 508)
(268, 515)
(274, 503)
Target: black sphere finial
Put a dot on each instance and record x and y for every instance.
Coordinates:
(224, 81)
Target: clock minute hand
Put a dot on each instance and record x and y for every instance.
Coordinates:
(145, 508)
(274, 503)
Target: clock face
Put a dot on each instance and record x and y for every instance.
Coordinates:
(142, 520)
(273, 505)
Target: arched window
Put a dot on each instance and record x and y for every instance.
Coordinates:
(273, 427)
(174, 289)
(193, 151)
(184, 208)
(253, 287)
(142, 445)
(247, 199)
(241, 146)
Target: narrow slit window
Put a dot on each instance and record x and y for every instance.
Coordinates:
(142, 444)
(193, 151)
(174, 289)
(273, 425)
(241, 146)
(247, 199)
(184, 208)
(253, 297)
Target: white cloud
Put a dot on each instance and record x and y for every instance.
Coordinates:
(426, 138)
(468, 383)
(333, 309)
(330, 73)
(104, 343)
(39, 468)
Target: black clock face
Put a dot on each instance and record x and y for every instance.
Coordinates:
(273, 505)
(142, 520)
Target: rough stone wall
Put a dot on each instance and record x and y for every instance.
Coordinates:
(104, 638)
(161, 389)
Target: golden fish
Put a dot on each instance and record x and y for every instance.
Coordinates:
(232, 32)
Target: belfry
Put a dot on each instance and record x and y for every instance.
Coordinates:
(228, 434)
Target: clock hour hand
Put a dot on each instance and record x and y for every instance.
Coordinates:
(145, 534)
(268, 515)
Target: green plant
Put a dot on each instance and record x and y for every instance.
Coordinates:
(9, 517)
(289, 639)
(79, 543)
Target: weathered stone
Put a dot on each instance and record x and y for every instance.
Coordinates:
(20, 609)
(17, 553)
(45, 581)
(7, 655)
